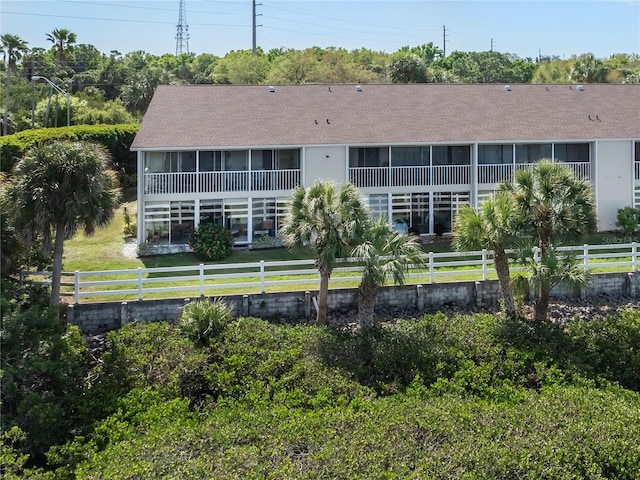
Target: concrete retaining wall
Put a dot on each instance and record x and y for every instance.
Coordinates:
(92, 317)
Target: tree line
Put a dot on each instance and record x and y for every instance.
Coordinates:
(117, 88)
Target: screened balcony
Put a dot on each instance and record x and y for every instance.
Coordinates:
(410, 166)
(209, 182)
(221, 171)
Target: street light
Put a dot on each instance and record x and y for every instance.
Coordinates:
(58, 89)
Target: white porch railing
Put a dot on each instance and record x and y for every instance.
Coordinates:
(411, 176)
(496, 173)
(451, 175)
(275, 179)
(369, 176)
(232, 181)
(201, 280)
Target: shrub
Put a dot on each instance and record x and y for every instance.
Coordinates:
(204, 319)
(130, 226)
(211, 242)
(627, 219)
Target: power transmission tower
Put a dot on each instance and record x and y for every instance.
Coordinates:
(444, 41)
(182, 37)
(255, 25)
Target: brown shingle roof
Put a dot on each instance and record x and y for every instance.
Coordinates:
(202, 116)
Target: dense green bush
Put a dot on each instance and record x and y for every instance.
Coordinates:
(211, 241)
(562, 432)
(627, 219)
(465, 396)
(116, 138)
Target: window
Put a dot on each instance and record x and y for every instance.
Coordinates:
(157, 216)
(236, 160)
(182, 221)
(495, 154)
(410, 156)
(210, 161)
(263, 212)
(369, 157)
(288, 159)
(275, 159)
(637, 152)
(532, 152)
(571, 152)
(451, 155)
(261, 160)
(379, 204)
(231, 213)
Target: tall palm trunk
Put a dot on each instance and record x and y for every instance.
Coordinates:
(367, 295)
(5, 120)
(56, 270)
(323, 297)
(501, 262)
(541, 306)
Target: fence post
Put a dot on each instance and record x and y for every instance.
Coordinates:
(76, 287)
(201, 280)
(261, 276)
(634, 256)
(536, 256)
(431, 274)
(585, 257)
(484, 264)
(419, 297)
(139, 283)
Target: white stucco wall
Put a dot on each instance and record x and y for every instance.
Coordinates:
(613, 180)
(325, 163)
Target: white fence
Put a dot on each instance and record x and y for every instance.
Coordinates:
(209, 280)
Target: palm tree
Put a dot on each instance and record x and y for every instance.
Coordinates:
(552, 207)
(58, 188)
(385, 255)
(490, 227)
(62, 40)
(331, 222)
(12, 49)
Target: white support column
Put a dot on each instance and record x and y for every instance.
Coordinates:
(141, 198)
(346, 164)
(303, 165)
(474, 176)
(594, 177)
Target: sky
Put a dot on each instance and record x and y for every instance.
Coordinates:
(525, 28)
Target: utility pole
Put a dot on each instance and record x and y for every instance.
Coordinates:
(255, 26)
(491, 45)
(182, 35)
(444, 41)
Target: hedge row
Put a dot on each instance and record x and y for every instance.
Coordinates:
(116, 138)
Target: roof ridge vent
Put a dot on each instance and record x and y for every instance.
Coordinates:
(507, 88)
(272, 88)
(358, 88)
(580, 88)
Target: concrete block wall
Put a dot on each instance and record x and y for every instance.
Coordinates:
(92, 317)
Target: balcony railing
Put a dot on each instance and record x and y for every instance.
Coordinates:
(409, 176)
(496, 173)
(233, 181)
